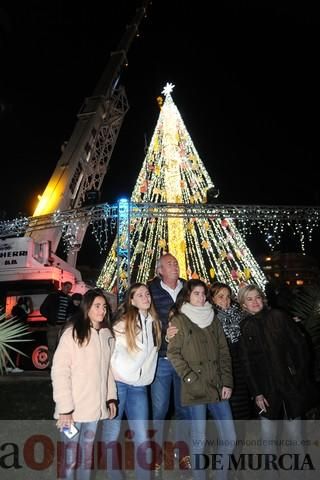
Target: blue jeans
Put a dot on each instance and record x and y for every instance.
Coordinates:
(76, 455)
(133, 402)
(222, 417)
(273, 433)
(165, 377)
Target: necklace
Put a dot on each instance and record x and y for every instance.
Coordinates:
(96, 329)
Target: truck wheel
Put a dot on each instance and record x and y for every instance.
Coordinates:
(40, 357)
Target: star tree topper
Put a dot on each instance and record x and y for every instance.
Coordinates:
(168, 89)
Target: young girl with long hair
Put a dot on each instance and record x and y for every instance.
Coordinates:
(84, 389)
(138, 337)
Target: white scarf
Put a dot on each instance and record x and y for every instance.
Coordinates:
(201, 316)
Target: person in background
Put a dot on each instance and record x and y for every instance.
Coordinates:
(22, 309)
(199, 353)
(138, 337)
(56, 308)
(84, 389)
(76, 301)
(275, 359)
(164, 290)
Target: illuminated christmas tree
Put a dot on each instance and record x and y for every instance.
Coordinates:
(207, 248)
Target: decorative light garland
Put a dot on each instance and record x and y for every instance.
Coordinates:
(168, 212)
(301, 221)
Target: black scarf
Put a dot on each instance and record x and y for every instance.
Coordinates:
(230, 321)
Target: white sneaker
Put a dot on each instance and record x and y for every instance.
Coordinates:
(9, 369)
(17, 370)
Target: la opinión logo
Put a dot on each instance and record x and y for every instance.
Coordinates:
(40, 453)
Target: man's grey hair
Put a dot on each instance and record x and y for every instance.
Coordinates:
(159, 261)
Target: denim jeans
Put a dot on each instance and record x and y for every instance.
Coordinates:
(133, 402)
(76, 454)
(222, 418)
(165, 377)
(273, 430)
(276, 436)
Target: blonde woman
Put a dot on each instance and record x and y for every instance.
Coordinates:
(274, 355)
(138, 338)
(275, 360)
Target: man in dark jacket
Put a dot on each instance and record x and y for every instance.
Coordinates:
(164, 289)
(56, 308)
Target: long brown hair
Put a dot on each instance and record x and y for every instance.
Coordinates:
(131, 317)
(80, 321)
(185, 293)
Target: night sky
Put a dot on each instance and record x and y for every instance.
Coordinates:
(247, 86)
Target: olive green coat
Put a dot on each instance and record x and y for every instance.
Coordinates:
(202, 360)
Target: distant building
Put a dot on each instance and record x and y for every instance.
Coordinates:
(291, 269)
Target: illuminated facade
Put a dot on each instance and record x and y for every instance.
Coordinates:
(291, 269)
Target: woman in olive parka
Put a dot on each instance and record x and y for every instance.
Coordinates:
(200, 354)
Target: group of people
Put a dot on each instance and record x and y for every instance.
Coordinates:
(224, 359)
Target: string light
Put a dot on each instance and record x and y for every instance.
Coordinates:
(168, 212)
(207, 244)
(209, 229)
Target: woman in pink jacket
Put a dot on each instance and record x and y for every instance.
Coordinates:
(84, 389)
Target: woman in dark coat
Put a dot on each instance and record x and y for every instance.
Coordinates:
(275, 358)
